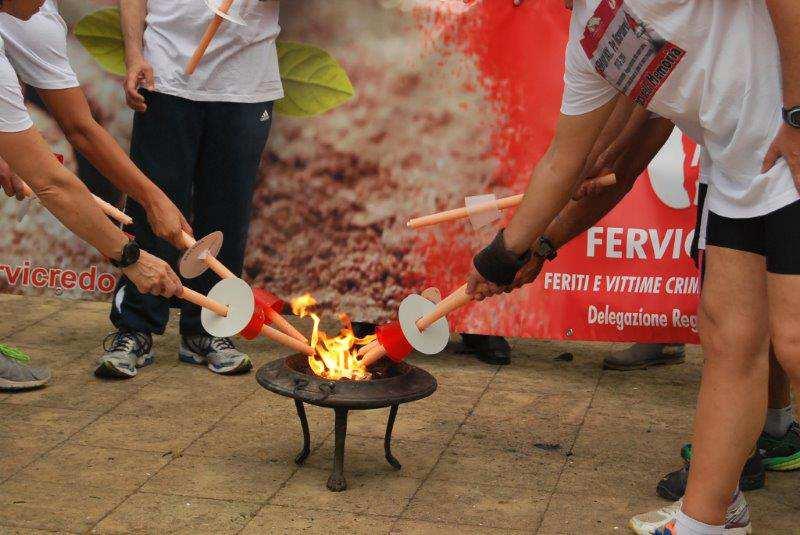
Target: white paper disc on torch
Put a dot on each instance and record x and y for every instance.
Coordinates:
(213, 5)
(238, 297)
(191, 264)
(434, 339)
(482, 210)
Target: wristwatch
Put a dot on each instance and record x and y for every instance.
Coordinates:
(791, 116)
(130, 255)
(545, 249)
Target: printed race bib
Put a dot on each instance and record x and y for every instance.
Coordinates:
(626, 52)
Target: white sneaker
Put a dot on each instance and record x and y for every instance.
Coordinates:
(661, 521)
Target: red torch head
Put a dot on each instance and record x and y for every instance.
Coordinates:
(268, 300)
(394, 342)
(253, 329)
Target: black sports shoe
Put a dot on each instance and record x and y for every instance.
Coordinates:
(673, 485)
(492, 350)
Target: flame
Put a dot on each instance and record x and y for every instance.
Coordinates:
(337, 356)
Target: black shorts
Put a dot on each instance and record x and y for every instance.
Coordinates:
(775, 236)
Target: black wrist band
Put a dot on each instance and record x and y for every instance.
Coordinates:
(497, 264)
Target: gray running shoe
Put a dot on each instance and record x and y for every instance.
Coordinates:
(125, 352)
(642, 356)
(662, 521)
(219, 354)
(15, 374)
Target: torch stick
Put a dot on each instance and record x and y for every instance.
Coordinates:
(224, 273)
(501, 204)
(363, 350)
(110, 210)
(211, 31)
(454, 301)
(221, 310)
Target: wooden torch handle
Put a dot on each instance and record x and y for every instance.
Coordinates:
(286, 340)
(455, 300)
(500, 204)
(109, 209)
(204, 302)
(112, 211)
(373, 355)
(211, 31)
(281, 323)
(218, 267)
(27, 192)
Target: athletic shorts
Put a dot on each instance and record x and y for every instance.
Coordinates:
(775, 236)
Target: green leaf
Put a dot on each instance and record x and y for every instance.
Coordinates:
(313, 81)
(101, 35)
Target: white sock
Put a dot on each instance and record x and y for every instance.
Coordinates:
(779, 421)
(689, 526)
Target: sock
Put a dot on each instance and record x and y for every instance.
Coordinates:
(738, 513)
(689, 526)
(779, 421)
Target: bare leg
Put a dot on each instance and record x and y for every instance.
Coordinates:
(733, 393)
(780, 388)
(783, 303)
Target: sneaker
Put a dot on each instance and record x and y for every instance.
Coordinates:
(662, 521)
(494, 350)
(15, 374)
(673, 485)
(642, 356)
(219, 354)
(125, 352)
(781, 454)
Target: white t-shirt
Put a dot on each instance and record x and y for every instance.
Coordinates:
(13, 113)
(240, 65)
(710, 66)
(37, 48)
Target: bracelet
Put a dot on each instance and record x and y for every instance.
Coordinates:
(497, 264)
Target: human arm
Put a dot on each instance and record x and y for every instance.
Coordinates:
(70, 109)
(68, 199)
(618, 134)
(578, 216)
(786, 20)
(133, 14)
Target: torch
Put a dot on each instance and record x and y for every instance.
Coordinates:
(220, 13)
(229, 309)
(110, 210)
(421, 325)
(485, 209)
(201, 255)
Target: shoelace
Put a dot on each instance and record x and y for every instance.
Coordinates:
(124, 341)
(14, 353)
(206, 344)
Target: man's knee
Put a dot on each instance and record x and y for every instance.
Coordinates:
(726, 338)
(786, 343)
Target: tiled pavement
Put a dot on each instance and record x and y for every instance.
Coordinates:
(542, 446)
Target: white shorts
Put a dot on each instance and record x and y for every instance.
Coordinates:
(38, 49)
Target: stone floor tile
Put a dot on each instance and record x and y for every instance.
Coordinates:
(487, 505)
(280, 519)
(220, 479)
(378, 494)
(157, 513)
(53, 506)
(90, 466)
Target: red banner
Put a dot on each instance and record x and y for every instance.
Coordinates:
(630, 277)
